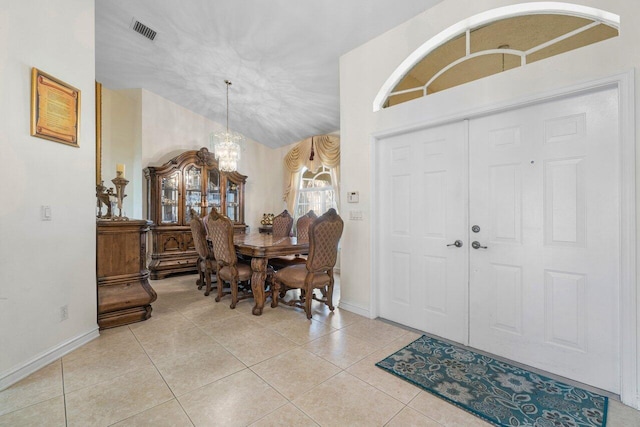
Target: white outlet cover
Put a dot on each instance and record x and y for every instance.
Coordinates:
(45, 213)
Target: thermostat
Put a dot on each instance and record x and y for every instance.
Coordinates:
(353, 196)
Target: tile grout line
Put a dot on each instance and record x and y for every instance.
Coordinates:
(419, 411)
(163, 379)
(204, 385)
(152, 363)
(64, 394)
(310, 390)
(230, 352)
(287, 401)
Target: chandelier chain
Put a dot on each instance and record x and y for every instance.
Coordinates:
(228, 84)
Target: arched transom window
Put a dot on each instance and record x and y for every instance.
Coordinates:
(493, 42)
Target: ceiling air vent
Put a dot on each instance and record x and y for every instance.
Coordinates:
(143, 30)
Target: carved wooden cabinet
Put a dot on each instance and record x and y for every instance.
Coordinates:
(190, 180)
(124, 293)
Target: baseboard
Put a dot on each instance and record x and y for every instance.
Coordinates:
(354, 308)
(11, 377)
(633, 403)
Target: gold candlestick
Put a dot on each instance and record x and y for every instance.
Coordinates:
(104, 195)
(120, 182)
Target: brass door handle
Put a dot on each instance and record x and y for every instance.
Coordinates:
(477, 245)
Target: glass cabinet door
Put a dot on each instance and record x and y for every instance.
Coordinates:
(192, 192)
(213, 190)
(169, 198)
(232, 201)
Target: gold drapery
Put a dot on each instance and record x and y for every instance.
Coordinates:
(326, 150)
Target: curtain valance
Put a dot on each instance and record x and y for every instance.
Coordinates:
(326, 151)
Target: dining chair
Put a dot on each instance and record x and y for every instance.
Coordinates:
(206, 260)
(302, 232)
(303, 224)
(317, 272)
(282, 224)
(228, 269)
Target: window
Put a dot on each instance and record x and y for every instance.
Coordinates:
(493, 42)
(316, 192)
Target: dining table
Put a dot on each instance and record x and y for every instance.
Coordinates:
(260, 247)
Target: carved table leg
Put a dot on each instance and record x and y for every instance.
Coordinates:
(259, 267)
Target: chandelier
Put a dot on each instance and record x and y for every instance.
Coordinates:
(226, 145)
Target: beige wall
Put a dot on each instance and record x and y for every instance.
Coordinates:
(121, 142)
(45, 264)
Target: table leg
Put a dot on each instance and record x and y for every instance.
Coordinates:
(259, 267)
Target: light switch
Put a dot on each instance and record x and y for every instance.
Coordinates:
(353, 197)
(45, 213)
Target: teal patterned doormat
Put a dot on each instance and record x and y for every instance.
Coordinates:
(500, 393)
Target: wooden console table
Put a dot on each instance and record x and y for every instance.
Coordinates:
(124, 292)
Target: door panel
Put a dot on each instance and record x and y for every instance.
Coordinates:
(423, 207)
(544, 187)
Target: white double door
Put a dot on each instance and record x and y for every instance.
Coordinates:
(538, 190)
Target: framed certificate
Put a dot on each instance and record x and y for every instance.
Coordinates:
(55, 109)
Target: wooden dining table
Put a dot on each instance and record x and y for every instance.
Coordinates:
(260, 247)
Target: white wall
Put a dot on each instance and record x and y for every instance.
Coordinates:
(45, 265)
(148, 130)
(364, 70)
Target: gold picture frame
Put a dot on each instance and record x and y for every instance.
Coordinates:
(55, 109)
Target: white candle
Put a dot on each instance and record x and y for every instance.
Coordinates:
(120, 168)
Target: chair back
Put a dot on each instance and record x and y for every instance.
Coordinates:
(324, 236)
(200, 236)
(221, 234)
(282, 224)
(303, 224)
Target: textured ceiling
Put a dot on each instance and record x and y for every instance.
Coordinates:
(281, 56)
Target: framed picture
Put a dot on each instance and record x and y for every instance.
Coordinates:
(55, 109)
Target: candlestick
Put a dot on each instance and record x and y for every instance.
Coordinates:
(104, 195)
(120, 170)
(120, 184)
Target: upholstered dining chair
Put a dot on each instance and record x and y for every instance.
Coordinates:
(317, 272)
(302, 233)
(303, 224)
(282, 224)
(228, 269)
(206, 261)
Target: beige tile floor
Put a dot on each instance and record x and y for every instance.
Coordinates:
(197, 362)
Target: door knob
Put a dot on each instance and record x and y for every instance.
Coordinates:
(477, 245)
(457, 244)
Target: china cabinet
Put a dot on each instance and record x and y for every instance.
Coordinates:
(190, 180)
